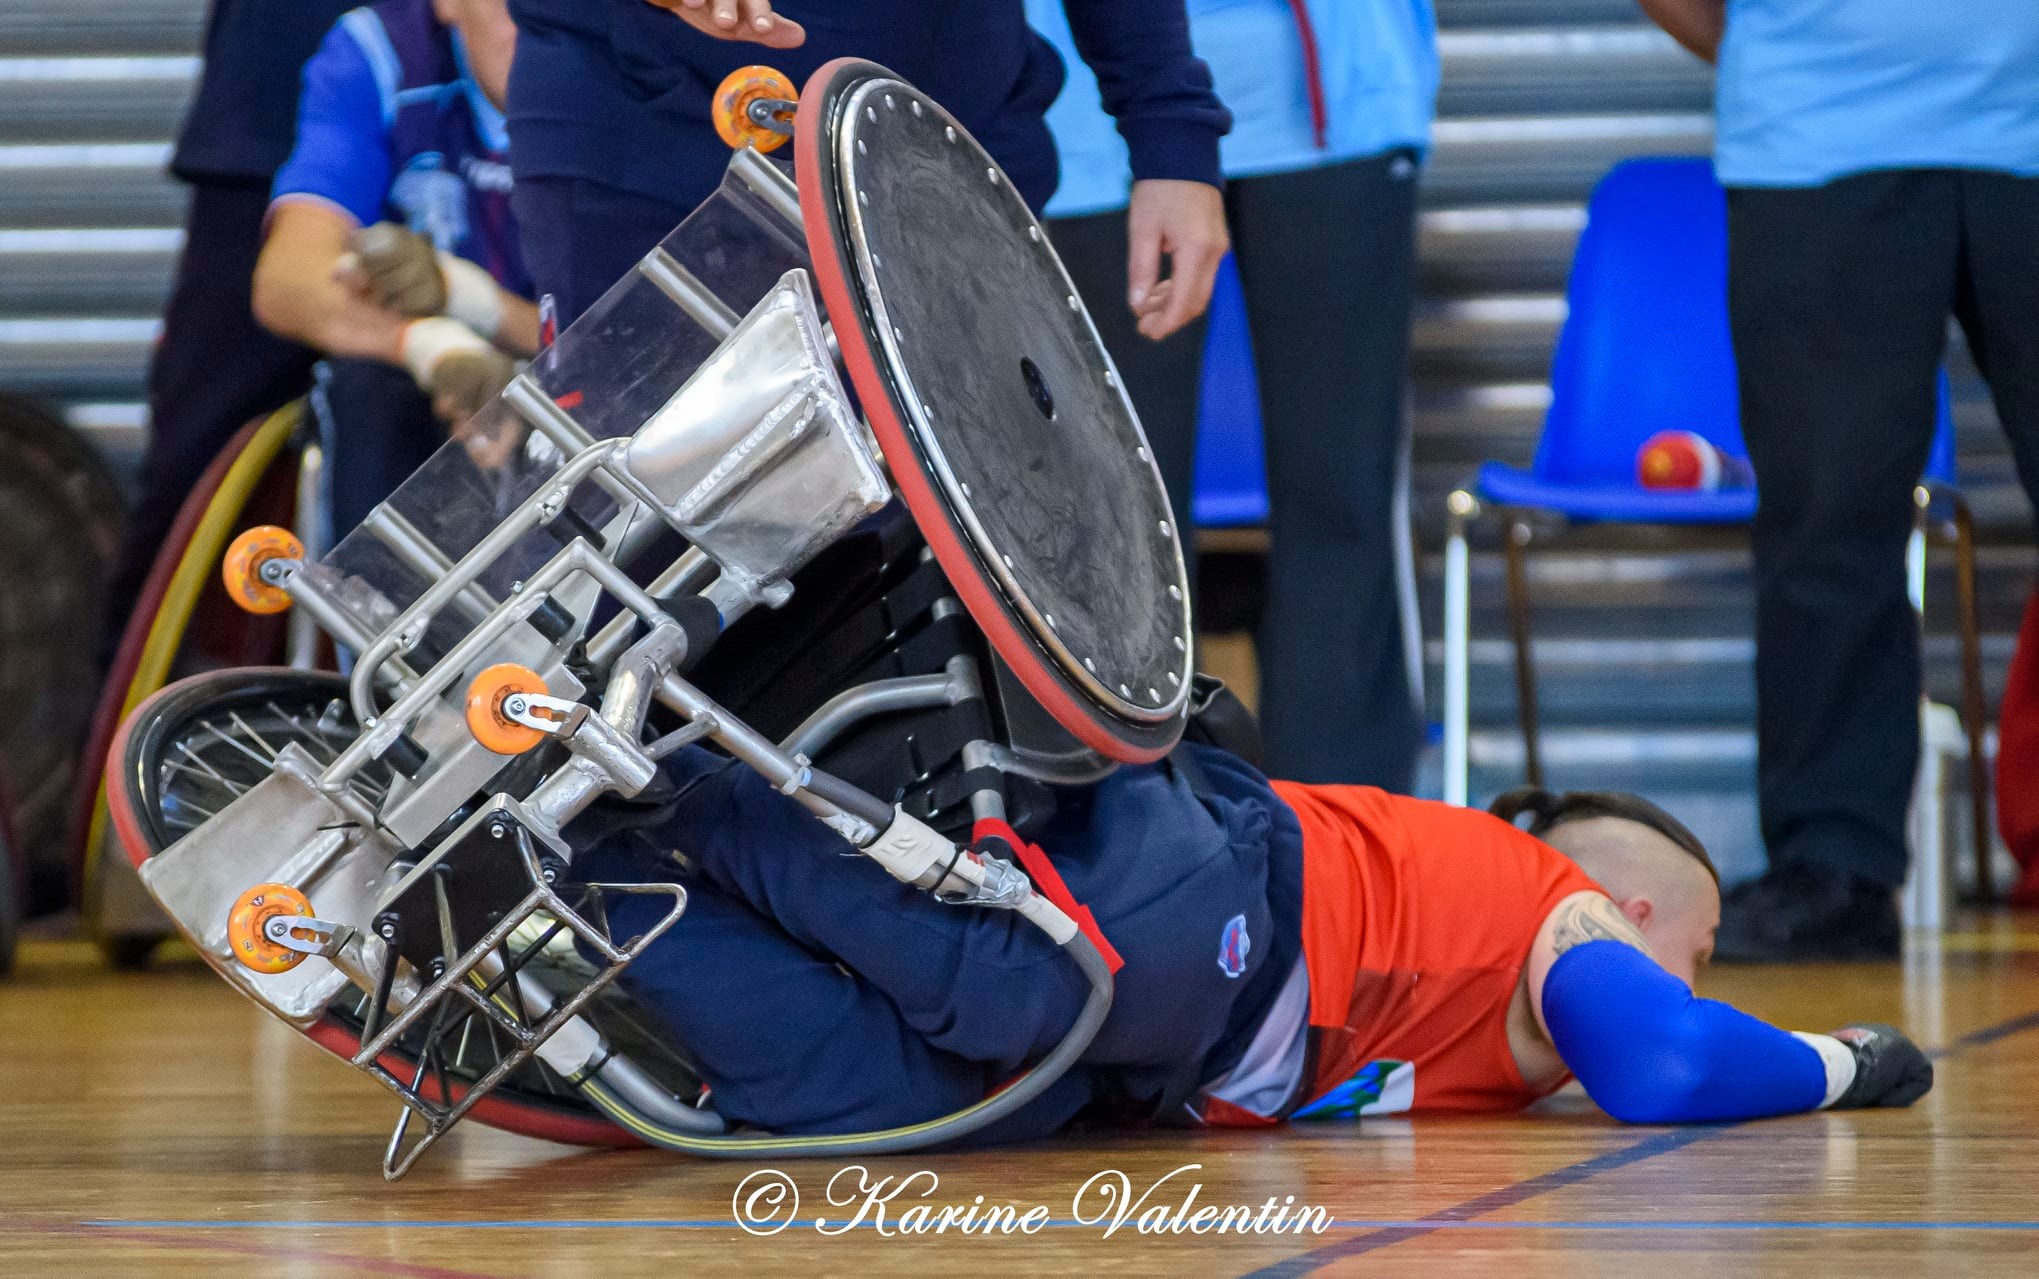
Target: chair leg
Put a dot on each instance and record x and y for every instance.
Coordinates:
(1515, 546)
(1462, 507)
(1973, 712)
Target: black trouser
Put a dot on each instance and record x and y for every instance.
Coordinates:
(1326, 257)
(215, 369)
(1839, 297)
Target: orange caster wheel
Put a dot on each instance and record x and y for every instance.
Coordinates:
(740, 93)
(252, 912)
(489, 719)
(242, 570)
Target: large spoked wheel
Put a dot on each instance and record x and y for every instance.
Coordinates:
(194, 747)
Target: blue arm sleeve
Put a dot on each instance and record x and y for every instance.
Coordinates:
(342, 150)
(1651, 1052)
(1153, 84)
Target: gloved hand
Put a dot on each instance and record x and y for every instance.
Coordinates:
(1890, 1070)
(459, 369)
(464, 381)
(396, 269)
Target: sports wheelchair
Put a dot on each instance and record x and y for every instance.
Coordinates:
(913, 602)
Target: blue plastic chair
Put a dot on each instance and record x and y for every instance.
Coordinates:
(1645, 348)
(1230, 488)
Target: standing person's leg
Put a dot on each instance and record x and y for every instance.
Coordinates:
(1838, 297)
(1327, 260)
(1161, 377)
(580, 237)
(214, 370)
(1997, 303)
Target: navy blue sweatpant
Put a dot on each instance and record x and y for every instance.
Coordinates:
(819, 995)
(580, 237)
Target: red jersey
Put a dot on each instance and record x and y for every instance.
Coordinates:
(1417, 920)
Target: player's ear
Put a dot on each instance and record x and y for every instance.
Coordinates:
(1638, 910)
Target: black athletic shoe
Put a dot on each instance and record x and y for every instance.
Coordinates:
(1807, 912)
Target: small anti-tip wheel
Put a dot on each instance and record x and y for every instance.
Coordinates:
(733, 101)
(242, 569)
(251, 915)
(486, 718)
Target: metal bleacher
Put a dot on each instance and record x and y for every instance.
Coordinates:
(91, 93)
(1643, 641)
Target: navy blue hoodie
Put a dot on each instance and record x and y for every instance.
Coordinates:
(617, 91)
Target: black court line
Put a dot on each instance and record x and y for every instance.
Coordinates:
(1572, 1174)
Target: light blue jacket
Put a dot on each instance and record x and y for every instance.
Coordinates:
(1811, 90)
(1376, 63)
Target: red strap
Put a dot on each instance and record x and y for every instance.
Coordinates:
(1313, 72)
(1050, 884)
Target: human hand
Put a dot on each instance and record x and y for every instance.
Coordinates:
(1889, 1068)
(1186, 222)
(463, 383)
(749, 20)
(393, 268)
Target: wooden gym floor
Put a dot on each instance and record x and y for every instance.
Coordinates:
(158, 1125)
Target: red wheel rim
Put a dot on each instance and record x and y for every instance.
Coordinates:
(987, 608)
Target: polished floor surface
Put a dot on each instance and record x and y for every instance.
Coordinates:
(157, 1125)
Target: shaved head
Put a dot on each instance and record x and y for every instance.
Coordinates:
(1653, 868)
(1630, 860)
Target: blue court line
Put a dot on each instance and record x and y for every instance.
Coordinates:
(1460, 1215)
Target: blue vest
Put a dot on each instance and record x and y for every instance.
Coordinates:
(393, 127)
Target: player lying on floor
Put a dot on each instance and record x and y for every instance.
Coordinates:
(1290, 952)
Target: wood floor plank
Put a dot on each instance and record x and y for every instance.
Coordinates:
(156, 1124)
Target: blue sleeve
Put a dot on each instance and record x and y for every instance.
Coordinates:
(1651, 1052)
(342, 151)
(1153, 84)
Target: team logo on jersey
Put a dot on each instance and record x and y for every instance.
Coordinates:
(433, 200)
(1233, 947)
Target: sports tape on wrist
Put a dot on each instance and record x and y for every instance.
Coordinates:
(471, 295)
(428, 341)
(1838, 1058)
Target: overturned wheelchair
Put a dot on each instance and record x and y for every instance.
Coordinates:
(913, 611)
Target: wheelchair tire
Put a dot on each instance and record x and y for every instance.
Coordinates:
(117, 914)
(13, 884)
(60, 519)
(149, 815)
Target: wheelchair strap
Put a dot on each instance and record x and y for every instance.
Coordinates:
(1045, 878)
